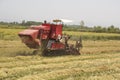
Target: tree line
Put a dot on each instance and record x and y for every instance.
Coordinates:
(100, 29)
(81, 27)
(97, 29)
(23, 24)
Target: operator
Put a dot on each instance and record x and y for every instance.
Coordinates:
(66, 38)
(79, 44)
(59, 38)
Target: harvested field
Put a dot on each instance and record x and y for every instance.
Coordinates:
(99, 61)
(84, 67)
(15, 48)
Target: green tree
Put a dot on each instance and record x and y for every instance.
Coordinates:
(82, 24)
(98, 29)
(23, 22)
(111, 29)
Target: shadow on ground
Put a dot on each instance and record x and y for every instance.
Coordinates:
(46, 54)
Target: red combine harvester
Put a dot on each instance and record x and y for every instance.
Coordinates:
(48, 37)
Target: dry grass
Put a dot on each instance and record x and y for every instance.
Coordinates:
(84, 67)
(101, 46)
(14, 48)
(93, 47)
(102, 63)
(99, 60)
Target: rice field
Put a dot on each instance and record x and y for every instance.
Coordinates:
(84, 67)
(93, 35)
(99, 60)
(11, 34)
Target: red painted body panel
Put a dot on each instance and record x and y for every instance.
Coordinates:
(40, 27)
(56, 30)
(57, 45)
(31, 37)
(29, 32)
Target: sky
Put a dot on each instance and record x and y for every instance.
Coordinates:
(92, 12)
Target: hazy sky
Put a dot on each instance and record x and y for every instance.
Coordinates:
(92, 12)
